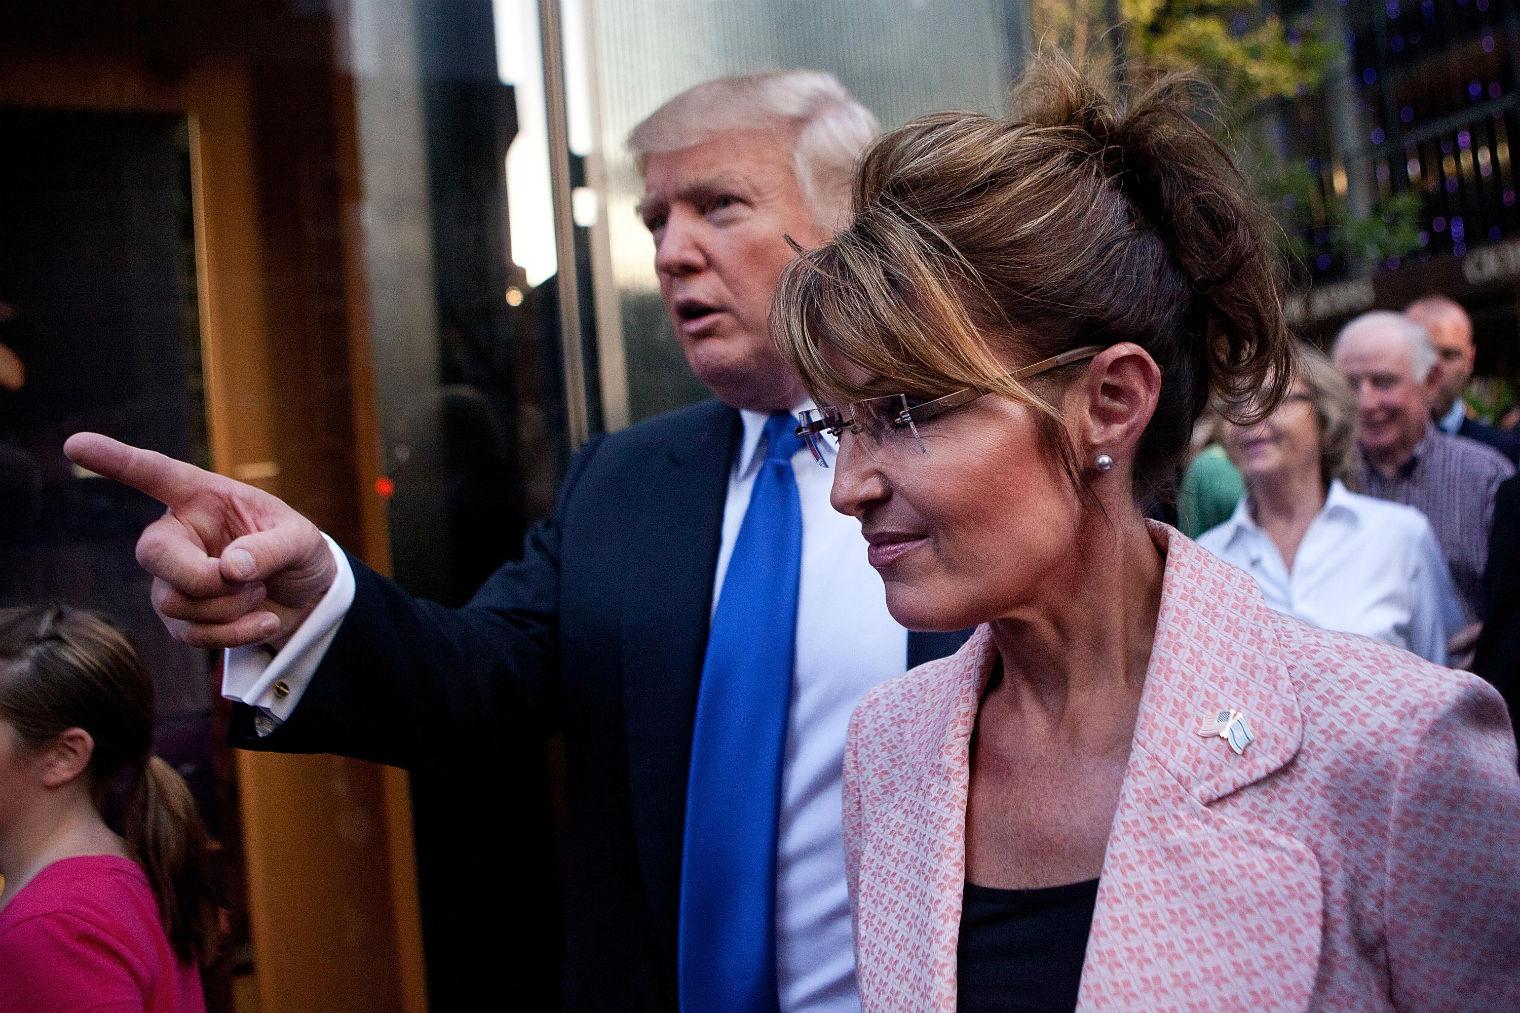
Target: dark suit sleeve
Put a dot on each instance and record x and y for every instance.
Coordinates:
(1498, 650)
(403, 671)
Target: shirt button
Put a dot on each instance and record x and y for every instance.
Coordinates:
(281, 689)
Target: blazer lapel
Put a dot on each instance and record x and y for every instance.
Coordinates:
(912, 866)
(668, 580)
(1197, 908)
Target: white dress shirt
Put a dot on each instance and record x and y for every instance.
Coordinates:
(846, 644)
(1451, 422)
(1364, 566)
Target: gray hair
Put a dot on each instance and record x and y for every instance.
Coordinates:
(829, 126)
(1422, 352)
(1334, 407)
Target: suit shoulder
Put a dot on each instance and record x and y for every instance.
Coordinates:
(671, 428)
(1383, 692)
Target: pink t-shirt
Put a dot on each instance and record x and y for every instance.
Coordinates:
(84, 936)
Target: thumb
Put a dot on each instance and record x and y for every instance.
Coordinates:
(290, 548)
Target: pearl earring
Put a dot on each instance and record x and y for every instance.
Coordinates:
(1103, 463)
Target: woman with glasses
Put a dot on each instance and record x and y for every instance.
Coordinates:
(1137, 787)
(1318, 551)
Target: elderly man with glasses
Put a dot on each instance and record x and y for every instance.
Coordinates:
(693, 617)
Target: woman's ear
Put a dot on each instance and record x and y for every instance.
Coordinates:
(1121, 387)
(67, 757)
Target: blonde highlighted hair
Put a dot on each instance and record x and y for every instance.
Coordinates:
(979, 244)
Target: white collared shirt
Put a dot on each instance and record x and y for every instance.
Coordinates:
(1365, 566)
(1451, 422)
(846, 644)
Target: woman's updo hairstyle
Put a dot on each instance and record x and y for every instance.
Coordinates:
(981, 244)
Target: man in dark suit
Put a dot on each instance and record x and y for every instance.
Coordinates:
(1497, 658)
(601, 630)
(1451, 331)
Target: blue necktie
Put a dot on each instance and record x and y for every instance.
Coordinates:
(733, 793)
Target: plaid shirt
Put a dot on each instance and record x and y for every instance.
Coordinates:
(1451, 480)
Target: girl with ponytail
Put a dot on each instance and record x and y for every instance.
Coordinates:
(93, 916)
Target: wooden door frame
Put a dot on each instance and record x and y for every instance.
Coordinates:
(296, 875)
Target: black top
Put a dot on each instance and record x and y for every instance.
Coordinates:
(1021, 951)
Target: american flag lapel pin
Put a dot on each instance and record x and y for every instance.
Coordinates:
(1231, 726)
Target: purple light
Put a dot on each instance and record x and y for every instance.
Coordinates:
(1488, 43)
(1482, 5)
(1393, 10)
(1312, 165)
(1423, 237)
(1369, 76)
(1438, 223)
(1458, 249)
(1464, 139)
(1406, 114)
(1458, 230)
(1428, 8)
(1396, 43)
(1493, 233)
(1494, 90)
(1451, 185)
(1377, 135)
(1474, 89)
(1392, 262)
(1322, 262)
(1382, 172)
(1509, 197)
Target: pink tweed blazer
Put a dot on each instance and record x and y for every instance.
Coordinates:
(1363, 854)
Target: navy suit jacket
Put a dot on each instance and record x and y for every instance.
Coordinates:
(1502, 440)
(1498, 650)
(598, 632)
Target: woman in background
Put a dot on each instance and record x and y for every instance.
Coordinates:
(92, 919)
(1318, 551)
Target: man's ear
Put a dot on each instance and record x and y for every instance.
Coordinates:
(67, 757)
(1121, 388)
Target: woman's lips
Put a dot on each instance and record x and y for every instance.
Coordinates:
(884, 549)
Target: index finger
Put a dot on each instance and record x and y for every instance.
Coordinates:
(170, 482)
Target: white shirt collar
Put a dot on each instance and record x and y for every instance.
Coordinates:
(1451, 422)
(754, 429)
(1339, 500)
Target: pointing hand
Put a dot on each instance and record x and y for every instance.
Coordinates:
(231, 564)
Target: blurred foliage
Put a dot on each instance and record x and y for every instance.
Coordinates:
(1258, 64)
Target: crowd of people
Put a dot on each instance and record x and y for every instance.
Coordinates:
(1122, 773)
(1366, 500)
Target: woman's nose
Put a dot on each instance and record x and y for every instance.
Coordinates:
(858, 483)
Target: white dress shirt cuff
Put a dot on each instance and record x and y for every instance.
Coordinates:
(273, 685)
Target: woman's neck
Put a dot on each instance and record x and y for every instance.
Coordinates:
(65, 831)
(1085, 642)
(1284, 505)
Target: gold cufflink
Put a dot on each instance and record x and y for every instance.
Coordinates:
(1231, 726)
(281, 689)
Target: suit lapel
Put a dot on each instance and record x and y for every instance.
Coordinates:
(1198, 908)
(673, 551)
